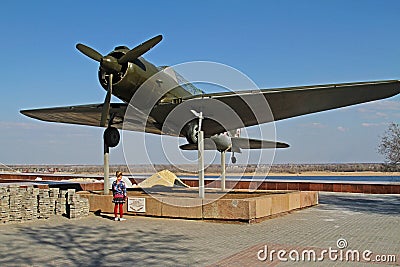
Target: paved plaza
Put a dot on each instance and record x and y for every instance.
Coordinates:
(362, 222)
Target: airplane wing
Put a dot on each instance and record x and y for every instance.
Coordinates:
(90, 115)
(245, 105)
(283, 102)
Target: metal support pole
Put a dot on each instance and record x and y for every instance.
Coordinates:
(223, 170)
(106, 170)
(200, 149)
(201, 163)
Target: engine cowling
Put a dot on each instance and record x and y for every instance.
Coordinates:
(118, 76)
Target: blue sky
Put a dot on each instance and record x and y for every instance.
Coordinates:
(275, 43)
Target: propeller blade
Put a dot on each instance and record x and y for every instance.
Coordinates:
(140, 50)
(90, 52)
(106, 105)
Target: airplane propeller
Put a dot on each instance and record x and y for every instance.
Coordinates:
(112, 65)
(139, 50)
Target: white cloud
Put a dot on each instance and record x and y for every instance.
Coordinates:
(18, 125)
(371, 124)
(382, 105)
(381, 114)
(314, 125)
(387, 109)
(341, 129)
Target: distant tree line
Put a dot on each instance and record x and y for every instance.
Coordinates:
(214, 168)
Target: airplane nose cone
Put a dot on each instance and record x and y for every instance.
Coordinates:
(110, 64)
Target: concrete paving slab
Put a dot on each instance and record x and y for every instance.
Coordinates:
(366, 222)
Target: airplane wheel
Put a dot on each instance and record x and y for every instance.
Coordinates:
(111, 137)
(233, 160)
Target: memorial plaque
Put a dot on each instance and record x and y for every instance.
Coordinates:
(137, 204)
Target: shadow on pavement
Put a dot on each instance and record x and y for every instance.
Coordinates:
(77, 245)
(379, 204)
(104, 216)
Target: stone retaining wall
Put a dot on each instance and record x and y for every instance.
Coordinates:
(20, 203)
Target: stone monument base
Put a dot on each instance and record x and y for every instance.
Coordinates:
(238, 205)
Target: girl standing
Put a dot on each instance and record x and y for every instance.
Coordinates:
(119, 196)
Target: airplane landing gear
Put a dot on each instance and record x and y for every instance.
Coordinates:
(111, 139)
(111, 136)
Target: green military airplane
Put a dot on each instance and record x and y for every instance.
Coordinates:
(124, 71)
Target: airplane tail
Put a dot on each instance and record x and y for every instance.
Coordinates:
(208, 145)
(238, 143)
(245, 143)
